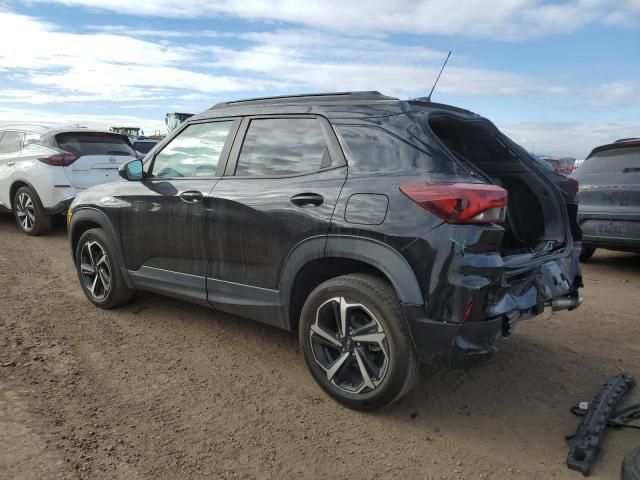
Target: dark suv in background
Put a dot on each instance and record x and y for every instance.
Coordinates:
(609, 212)
(383, 231)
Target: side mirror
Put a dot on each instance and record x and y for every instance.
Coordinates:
(132, 170)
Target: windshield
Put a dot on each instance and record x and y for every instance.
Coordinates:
(94, 143)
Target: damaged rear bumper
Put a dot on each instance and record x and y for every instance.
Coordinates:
(484, 308)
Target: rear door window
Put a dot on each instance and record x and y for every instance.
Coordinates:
(277, 147)
(95, 143)
(11, 142)
(194, 152)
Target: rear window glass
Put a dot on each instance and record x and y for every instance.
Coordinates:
(81, 143)
(144, 147)
(374, 150)
(618, 160)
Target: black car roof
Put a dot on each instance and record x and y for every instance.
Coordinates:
(333, 105)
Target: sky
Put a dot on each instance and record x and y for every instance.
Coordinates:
(559, 77)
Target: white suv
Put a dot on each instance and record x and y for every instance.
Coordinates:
(43, 168)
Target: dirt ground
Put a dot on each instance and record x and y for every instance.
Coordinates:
(162, 389)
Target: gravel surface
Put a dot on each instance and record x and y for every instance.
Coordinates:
(162, 389)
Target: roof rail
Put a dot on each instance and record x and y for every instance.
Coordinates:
(309, 98)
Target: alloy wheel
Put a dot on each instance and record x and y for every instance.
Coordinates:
(350, 345)
(26, 212)
(95, 270)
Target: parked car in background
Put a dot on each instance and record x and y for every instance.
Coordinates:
(609, 198)
(383, 231)
(143, 145)
(43, 168)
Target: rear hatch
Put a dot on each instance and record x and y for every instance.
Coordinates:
(99, 156)
(535, 225)
(609, 196)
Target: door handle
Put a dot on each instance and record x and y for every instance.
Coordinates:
(307, 200)
(192, 196)
(11, 163)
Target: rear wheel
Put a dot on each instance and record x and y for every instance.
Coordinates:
(356, 343)
(586, 253)
(30, 215)
(99, 270)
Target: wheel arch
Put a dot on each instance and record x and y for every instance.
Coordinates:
(317, 260)
(87, 218)
(15, 185)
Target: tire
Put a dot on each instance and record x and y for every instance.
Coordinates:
(30, 215)
(378, 346)
(586, 253)
(99, 270)
(631, 466)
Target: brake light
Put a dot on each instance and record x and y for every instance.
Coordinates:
(460, 202)
(63, 159)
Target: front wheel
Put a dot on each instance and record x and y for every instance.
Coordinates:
(31, 216)
(99, 271)
(356, 343)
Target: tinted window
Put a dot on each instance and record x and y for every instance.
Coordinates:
(11, 142)
(94, 143)
(282, 146)
(194, 152)
(610, 161)
(143, 147)
(374, 150)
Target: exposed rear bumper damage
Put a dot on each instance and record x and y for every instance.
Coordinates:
(492, 305)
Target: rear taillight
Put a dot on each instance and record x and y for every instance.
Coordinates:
(460, 202)
(60, 159)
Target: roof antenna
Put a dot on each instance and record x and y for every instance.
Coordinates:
(428, 99)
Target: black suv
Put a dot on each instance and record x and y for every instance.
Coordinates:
(378, 229)
(609, 213)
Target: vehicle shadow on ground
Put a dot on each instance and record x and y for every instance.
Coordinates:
(58, 228)
(622, 261)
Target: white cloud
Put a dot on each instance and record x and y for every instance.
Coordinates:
(46, 117)
(503, 19)
(320, 61)
(614, 94)
(575, 139)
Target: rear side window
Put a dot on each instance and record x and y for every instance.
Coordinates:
(11, 142)
(143, 147)
(94, 143)
(283, 146)
(374, 150)
(194, 152)
(618, 160)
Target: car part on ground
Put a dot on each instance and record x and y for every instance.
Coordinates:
(609, 197)
(233, 212)
(631, 466)
(584, 444)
